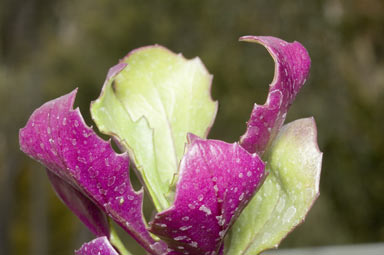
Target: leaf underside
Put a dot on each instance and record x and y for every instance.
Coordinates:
(290, 189)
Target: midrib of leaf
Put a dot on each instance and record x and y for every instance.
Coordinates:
(170, 133)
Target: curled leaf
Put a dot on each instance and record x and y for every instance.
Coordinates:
(292, 64)
(216, 181)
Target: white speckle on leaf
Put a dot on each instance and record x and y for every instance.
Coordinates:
(161, 225)
(193, 244)
(289, 213)
(111, 180)
(280, 205)
(184, 228)
(205, 209)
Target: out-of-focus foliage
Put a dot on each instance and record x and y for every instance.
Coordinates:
(49, 47)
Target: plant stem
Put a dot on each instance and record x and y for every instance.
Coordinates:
(116, 242)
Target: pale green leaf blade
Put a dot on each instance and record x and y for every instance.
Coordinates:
(150, 106)
(292, 186)
(112, 119)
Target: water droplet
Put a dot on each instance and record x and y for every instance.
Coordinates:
(185, 218)
(92, 172)
(121, 200)
(81, 160)
(249, 173)
(241, 196)
(76, 123)
(111, 181)
(289, 213)
(64, 121)
(103, 191)
(121, 188)
(240, 175)
(200, 197)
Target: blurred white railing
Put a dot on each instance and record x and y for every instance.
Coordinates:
(359, 249)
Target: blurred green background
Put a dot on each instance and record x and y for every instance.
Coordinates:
(49, 47)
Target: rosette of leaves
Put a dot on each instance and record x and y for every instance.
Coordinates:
(211, 197)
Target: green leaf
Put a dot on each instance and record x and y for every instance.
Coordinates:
(117, 243)
(292, 186)
(149, 106)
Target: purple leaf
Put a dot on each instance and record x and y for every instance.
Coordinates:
(80, 205)
(57, 136)
(216, 180)
(292, 64)
(98, 246)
